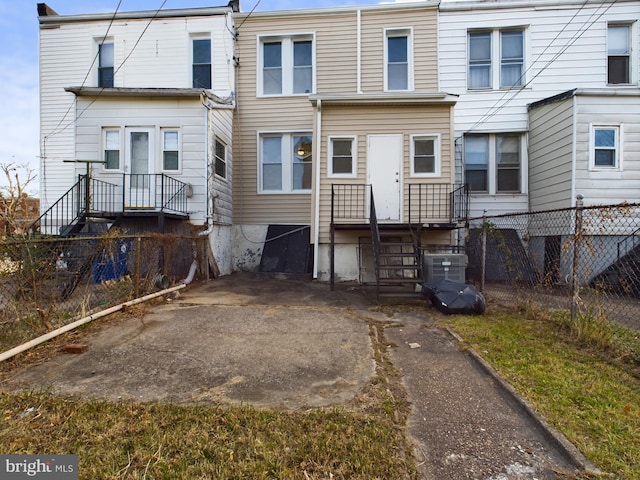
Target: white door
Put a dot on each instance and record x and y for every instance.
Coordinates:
(140, 181)
(384, 162)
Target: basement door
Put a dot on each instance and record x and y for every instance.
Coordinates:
(139, 181)
(384, 161)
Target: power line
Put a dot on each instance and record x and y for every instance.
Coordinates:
(247, 17)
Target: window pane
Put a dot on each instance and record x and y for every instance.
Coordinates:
(342, 147)
(476, 150)
(398, 77)
(272, 81)
(425, 164)
(397, 49)
(509, 180)
(342, 165)
(112, 159)
(605, 137)
(477, 180)
(480, 60)
(424, 156)
(302, 148)
(424, 147)
(202, 50)
(220, 164)
(605, 158)
(618, 70)
(112, 140)
(342, 160)
(272, 53)
(221, 168)
(302, 79)
(512, 45)
(508, 150)
(480, 76)
(302, 155)
(302, 176)
(271, 150)
(170, 160)
(106, 55)
(272, 177)
(511, 75)
(170, 140)
(512, 58)
(618, 40)
(202, 76)
(220, 150)
(302, 53)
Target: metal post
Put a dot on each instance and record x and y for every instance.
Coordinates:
(483, 255)
(577, 243)
(136, 280)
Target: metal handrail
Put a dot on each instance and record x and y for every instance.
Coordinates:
(375, 238)
(632, 236)
(66, 209)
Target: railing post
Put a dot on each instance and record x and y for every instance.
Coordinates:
(483, 255)
(577, 243)
(332, 239)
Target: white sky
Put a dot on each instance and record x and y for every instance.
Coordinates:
(19, 124)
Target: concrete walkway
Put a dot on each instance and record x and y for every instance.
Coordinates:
(295, 344)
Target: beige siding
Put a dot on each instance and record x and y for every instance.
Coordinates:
(364, 120)
(550, 155)
(221, 124)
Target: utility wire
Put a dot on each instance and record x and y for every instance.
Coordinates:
(247, 17)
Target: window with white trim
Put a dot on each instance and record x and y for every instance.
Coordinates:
(201, 62)
(106, 61)
(605, 147)
(220, 166)
(507, 46)
(425, 155)
(170, 149)
(285, 162)
(398, 60)
(112, 146)
(342, 157)
(286, 65)
(494, 163)
(618, 54)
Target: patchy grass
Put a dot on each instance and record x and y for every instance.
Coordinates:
(590, 394)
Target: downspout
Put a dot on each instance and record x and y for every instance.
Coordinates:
(359, 52)
(317, 143)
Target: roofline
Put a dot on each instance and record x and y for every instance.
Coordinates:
(51, 17)
(349, 8)
(511, 4)
(135, 92)
(437, 98)
(586, 92)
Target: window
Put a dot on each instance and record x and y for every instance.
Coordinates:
(287, 66)
(201, 62)
(170, 149)
(508, 163)
(221, 159)
(398, 60)
(105, 64)
(425, 153)
(494, 163)
(618, 54)
(605, 152)
(112, 146)
(342, 157)
(505, 45)
(285, 162)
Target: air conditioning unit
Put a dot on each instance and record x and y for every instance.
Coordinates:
(443, 266)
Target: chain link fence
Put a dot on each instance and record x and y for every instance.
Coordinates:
(46, 283)
(583, 259)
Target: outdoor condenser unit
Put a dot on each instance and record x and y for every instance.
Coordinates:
(443, 266)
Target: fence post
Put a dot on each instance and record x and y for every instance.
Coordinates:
(136, 280)
(577, 243)
(483, 255)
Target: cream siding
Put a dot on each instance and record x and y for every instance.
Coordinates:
(221, 126)
(551, 146)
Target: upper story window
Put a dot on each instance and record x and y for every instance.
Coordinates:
(286, 65)
(170, 149)
(221, 159)
(342, 157)
(425, 155)
(398, 60)
(494, 163)
(618, 54)
(111, 148)
(285, 162)
(484, 50)
(605, 147)
(201, 54)
(105, 64)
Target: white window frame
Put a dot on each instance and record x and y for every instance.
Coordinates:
(162, 149)
(633, 49)
(199, 36)
(492, 163)
(103, 147)
(287, 161)
(437, 156)
(217, 141)
(495, 75)
(399, 32)
(354, 157)
(98, 41)
(287, 44)
(619, 129)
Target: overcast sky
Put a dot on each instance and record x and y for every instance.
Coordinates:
(19, 125)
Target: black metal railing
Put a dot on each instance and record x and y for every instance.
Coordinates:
(623, 245)
(155, 192)
(349, 202)
(375, 239)
(437, 202)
